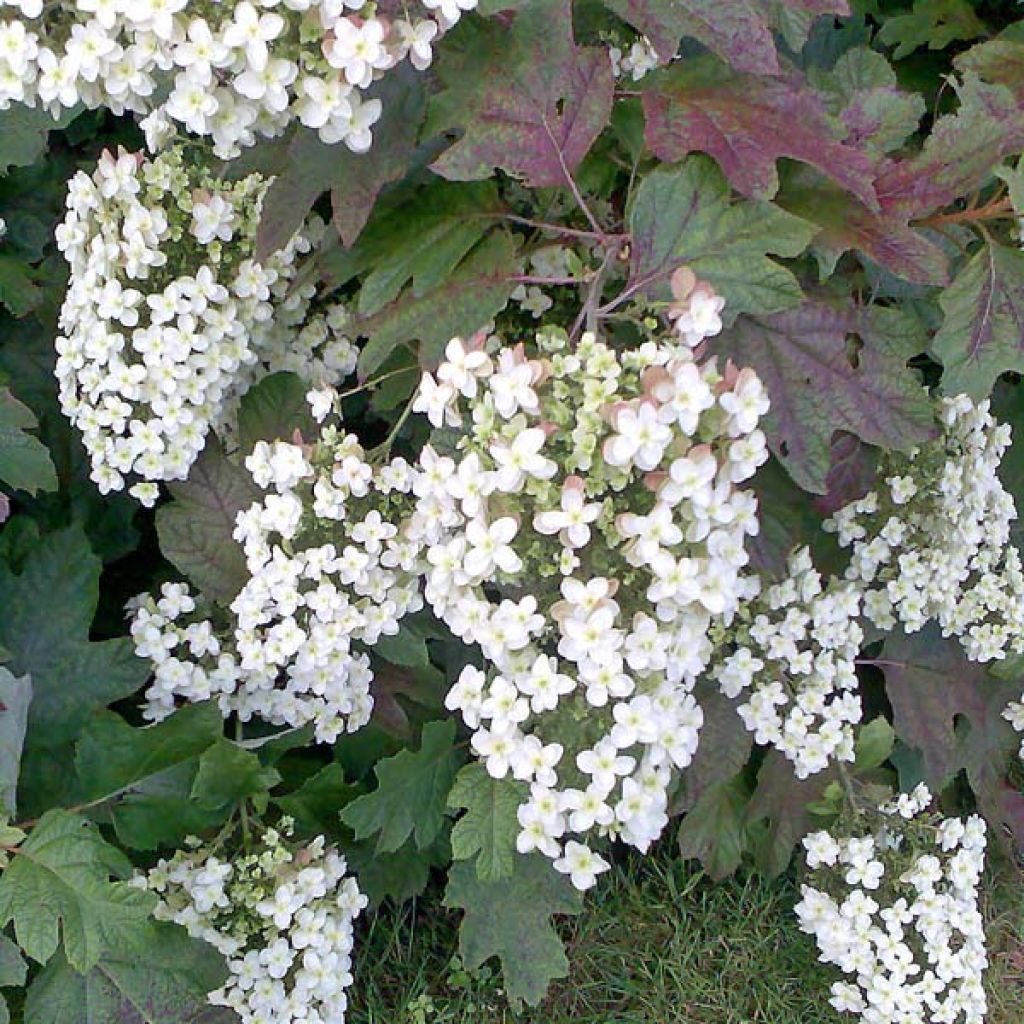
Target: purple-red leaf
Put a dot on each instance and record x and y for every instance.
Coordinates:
(747, 123)
(951, 710)
(958, 155)
(852, 474)
(820, 382)
(529, 101)
(739, 31)
(846, 224)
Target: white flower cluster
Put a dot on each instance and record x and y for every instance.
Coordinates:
(895, 907)
(168, 320)
(231, 71)
(164, 313)
(794, 649)
(587, 530)
(282, 918)
(332, 565)
(935, 544)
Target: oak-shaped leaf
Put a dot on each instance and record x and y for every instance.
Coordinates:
(411, 794)
(511, 919)
(684, 214)
(58, 889)
(311, 167)
(25, 462)
(24, 132)
(273, 410)
(827, 369)
(747, 123)
(778, 815)
(714, 829)
(314, 805)
(527, 100)
(739, 31)
(48, 608)
(959, 153)
(195, 529)
(142, 778)
(982, 334)
(467, 299)
(488, 829)
(164, 982)
(950, 709)
(931, 23)
(15, 698)
(844, 223)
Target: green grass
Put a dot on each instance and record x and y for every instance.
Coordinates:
(657, 944)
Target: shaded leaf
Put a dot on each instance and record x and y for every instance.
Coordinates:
(818, 384)
(165, 983)
(273, 410)
(411, 793)
(489, 827)
(684, 214)
(59, 884)
(529, 100)
(24, 132)
(469, 298)
(228, 773)
(714, 829)
(312, 167)
(398, 876)
(48, 608)
(15, 698)
(852, 472)
(195, 529)
(316, 803)
(983, 331)
(931, 23)
(511, 919)
(13, 968)
(778, 815)
(25, 462)
(747, 123)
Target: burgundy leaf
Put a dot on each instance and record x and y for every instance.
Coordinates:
(819, 383)
(747, 123)
(852, 474)
(529, 101)
(958, 155)
(951, 710)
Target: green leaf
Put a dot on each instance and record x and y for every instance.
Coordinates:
(684, 214)
(714, 830)
(931, 23)
(423, 243)
(315, 804)
(228, 773)
(469, 298)
(13, 968)
(59, 881)
(529, 100)
(411, 793)
(818, 383)
(511, 919)
(195, 530)
(48, 609)
(748, 123)
(146, 775)
(489, 827)
(983, 331)
(25, 462)
(24, 132)
(875, 743)
(20, 290)
(15, 698)
(273, 410)
(166, 983)
(398, 876)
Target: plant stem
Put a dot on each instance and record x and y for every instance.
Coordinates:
(555, 229)
(376, 380)
(847, 783)
(998, 209)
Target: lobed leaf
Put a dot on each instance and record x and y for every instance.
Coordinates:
(25, 462)
(15, 698)
(511, 919)
(529, 100)
(818, 384)
(488, 829)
